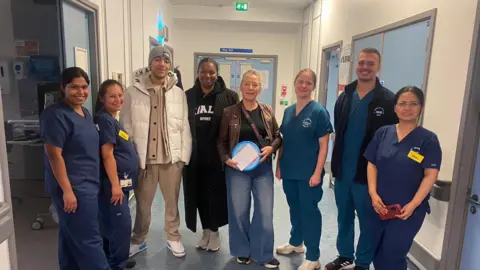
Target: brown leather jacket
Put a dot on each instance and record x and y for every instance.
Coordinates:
(230, 129)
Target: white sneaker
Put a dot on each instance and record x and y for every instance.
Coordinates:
(286, 249)
(135, 249)
(176, 247)
(202, 244)
(309, 265)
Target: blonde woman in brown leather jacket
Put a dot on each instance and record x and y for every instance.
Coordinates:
(250, 240)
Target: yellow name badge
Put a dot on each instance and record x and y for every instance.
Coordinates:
(415, 156)
(123, 135)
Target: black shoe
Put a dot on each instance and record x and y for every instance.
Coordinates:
(273, 264)
(243, 260)
(130, 264)
(340, 263)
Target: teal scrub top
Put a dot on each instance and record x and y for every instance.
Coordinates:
(300, 140)
(354, 134)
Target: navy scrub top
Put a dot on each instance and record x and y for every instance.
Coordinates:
(300, 140)
(399, 176)
(111, 131)
(64, 128)
(355, 134)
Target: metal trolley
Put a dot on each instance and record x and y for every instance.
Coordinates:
(25, 133)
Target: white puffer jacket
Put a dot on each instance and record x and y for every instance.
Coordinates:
(135, 116)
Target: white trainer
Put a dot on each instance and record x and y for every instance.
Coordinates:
(177, 248)
(309, 265)
(135, 249)
(286, 249)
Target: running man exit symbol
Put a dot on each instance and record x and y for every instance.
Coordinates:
(241, 6)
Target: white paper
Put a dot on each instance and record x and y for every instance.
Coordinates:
(81, 59)
(245, 157)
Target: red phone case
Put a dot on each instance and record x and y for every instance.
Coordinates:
(393, 211)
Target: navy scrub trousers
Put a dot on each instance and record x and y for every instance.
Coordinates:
(301, 134)
(116, 227)
(351, 196)
(398, 180)
(79, 242)
(115, 220)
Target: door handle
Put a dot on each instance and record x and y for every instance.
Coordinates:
(474, 200)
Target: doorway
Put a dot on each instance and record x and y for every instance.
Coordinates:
(329, 83)
(232, 67)
(462, 231)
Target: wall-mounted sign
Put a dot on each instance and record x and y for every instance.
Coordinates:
(241, 6)
(236, 50)
(344, 67)
(26, 48)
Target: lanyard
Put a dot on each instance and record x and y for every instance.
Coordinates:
(255, 130)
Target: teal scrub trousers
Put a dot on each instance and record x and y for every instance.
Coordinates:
(305, 216)
(351, 197)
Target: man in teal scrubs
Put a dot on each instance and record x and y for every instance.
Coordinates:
(360, 110)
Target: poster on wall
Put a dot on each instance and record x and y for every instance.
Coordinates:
(344, 67)
(25, 48)
(81, 58)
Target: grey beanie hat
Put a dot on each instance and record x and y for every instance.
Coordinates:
(159, 51)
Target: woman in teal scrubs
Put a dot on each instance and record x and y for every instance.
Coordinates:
(404, 161)
(305, 128)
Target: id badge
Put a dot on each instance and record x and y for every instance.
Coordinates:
(124, 183)
(415, 156)
(123, 135)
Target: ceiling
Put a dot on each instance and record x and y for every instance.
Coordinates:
(294, 4)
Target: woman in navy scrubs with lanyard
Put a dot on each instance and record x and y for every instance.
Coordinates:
(72, 168)
(305, 128)
(118, 176)
(404, 161)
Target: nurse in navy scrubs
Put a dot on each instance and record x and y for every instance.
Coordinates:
(305, 128)
(404, 161)
(72, 169)
(118, 176)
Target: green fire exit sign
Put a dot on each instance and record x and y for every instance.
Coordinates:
(241, 6)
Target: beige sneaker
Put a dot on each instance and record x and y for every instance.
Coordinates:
(286, 249)
(202, 244)
(309, 265)
(213, 242)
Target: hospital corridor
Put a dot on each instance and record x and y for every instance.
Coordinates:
(239, 134)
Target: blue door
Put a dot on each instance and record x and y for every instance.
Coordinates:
(404, 56)
(266, 68)
(76, 35)
(332, 86)
(232, 68)
(471, 241)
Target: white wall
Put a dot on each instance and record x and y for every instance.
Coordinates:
(209, 37)
(125, 28)
(341, 19)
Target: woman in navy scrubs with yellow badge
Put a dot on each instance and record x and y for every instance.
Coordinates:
(305, 128)
(404, 161)
(72, 167)
(118, 176)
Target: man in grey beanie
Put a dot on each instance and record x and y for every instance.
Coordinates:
(155, 116)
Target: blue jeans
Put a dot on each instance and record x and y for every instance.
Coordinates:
(251, 240)
(305, 216)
